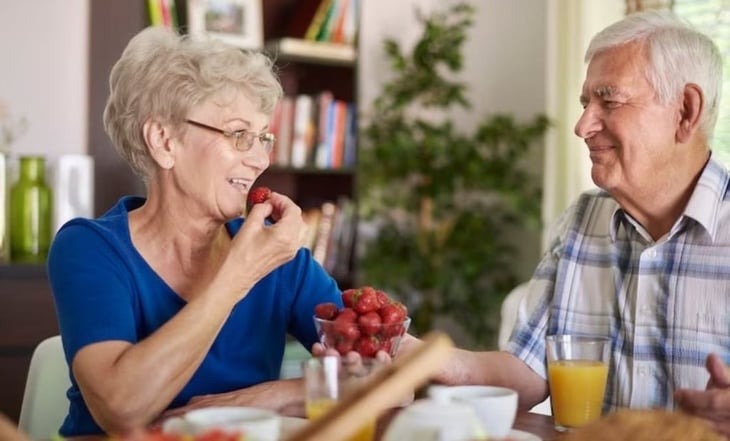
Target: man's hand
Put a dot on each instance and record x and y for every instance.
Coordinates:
(713, 403)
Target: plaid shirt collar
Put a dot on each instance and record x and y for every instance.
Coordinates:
(703, 206)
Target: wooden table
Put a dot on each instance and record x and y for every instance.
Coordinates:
(540, 425)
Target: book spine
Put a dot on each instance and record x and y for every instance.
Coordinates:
(283, 143)
(302, 131)
(324, 230)
(155, 12)
(318, 20)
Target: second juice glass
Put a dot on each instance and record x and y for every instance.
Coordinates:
(330, 378)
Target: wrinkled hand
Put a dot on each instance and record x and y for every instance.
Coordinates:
(713, 403)
(258, 248)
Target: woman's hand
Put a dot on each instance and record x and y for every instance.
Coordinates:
(258, 248)
(283, 396)
(713, 403)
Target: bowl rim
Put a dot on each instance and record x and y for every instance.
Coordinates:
(320, 319)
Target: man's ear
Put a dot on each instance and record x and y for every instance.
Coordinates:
(158, 137)
(691, 108)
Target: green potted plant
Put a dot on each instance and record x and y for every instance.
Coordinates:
(440, 199)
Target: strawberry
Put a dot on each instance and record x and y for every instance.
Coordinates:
(348, 295)
(256, 196)
(327, 311)
(344, 346)
(369, 323)
(383, 298)
(348, 315)
(367, 346)
(392, 316)
(345, 329)
(366, 302)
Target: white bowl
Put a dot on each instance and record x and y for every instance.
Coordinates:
(496, 407)
(428, 419)
(257, 424)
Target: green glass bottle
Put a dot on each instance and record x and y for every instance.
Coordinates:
(30, 212)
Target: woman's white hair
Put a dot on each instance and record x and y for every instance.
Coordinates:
(677, 55)
(162, 74)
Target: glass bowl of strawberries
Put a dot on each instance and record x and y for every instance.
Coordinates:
(370, 321)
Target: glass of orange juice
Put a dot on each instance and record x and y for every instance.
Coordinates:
(330, 378)
(577, 373)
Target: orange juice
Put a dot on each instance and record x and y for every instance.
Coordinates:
(318, 408)
(576, 390)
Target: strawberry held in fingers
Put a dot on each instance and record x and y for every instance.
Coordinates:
(257, 195)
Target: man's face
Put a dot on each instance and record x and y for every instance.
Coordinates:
(629, 134)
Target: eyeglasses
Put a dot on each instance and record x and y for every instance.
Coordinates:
(242, 139)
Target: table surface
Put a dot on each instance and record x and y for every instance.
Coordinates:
(538, 424)
(535, 423)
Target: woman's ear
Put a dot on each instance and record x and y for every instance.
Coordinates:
(691, 108)
(158, 137)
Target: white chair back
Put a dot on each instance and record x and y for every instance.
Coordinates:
(45, 404)
(510, 309)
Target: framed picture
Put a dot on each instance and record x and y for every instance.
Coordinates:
(238, 22)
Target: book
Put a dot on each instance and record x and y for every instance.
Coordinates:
(350, 148)
(303, 14)
(346, 230)
(311, 218)
(324, 101)
(330, 22)
(154, 9)
(284, 136)
(169, 13)
(324, 231)
(338, 29)
(317, 21)
(338, 135)
(303, 137)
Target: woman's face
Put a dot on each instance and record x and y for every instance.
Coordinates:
(213, 175)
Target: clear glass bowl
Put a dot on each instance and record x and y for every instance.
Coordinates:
(365, 340)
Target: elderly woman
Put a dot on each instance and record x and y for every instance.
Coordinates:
(173, 300)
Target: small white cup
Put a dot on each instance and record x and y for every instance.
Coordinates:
(257, 424)
(496, 407)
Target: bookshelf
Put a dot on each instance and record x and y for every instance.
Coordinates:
(310, 68)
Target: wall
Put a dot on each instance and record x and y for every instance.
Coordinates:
(505, 67)
(43, 73)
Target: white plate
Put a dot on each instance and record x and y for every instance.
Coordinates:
(519, 435)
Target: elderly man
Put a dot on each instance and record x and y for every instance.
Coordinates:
(645, 260)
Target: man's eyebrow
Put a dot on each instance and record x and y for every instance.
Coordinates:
(607, 92)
